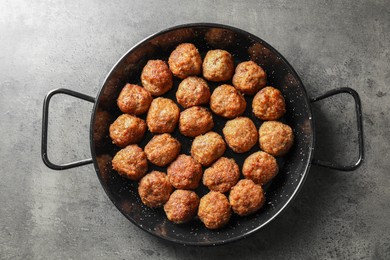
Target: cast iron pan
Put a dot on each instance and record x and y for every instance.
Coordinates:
(243, 46)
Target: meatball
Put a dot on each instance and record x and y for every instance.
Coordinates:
(227, 101)
(185, 173)
(162, 149)
(185, 61)
(162, 116)
(268, 104)
(260, 167)
(275, 138)
(219, 38)
(214, 210)
(218, 66)
(154, 189)
(134, 99)
(240, 134)
(193, 91)
(130, 162)
(246, 197)
(181, 206)
(207, 148)
(195, 121)
(249, 77)
(156, 77)
(127, 129)
(222, 175)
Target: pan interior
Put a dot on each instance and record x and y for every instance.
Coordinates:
(243, 46)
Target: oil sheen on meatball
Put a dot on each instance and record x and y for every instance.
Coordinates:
(162, 149)
(221, 175)
(154, 189)
(240, 134)
(275, 138)
(134, 100)
(214, 210)
(185, 173)
(130, 162)
(185, 61)
(269, 104)
(195, 121)
(227, 101)
(156, 77)
(246, 197)
(218, 66)
(193, 91)
(163, 116)
(181, 206)
(260, 167)
(127, 129)
(249, 77)
(208, 148)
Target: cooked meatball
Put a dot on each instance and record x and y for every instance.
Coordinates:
(100, 126)
(260, 167)
(214, 210)
(185, 61)
(195, 121)
(181, 206)
(162, 116)
(207, 148)
(134, 100)
(246, 197)
(227, 101)
(218, 66)
(193, 91)
(249, 77)
(268, 104)
(162, 149)
(222, 175)
(219, 38)
(156, 77)
(185, 173)
(275, 138)
(127, 129)
(154, 189)
(240, 134)
(130, 162)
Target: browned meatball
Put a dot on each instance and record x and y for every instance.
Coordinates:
(275, 138)
(100, 125)
(214, 210)
(154, 189)
(130, 162)
(162, 149)
(195, 121)
(268, 104)
(185, 173)
(227, 101)
(219, 38)
(134, 100)
(193, 91)
(181, 206)
(218, 66)
(260, 167)
(246, 197)
(240, 134)
(207, 148)
(127, 129)
(162, 116)
(185, 61)
(222, 175)
(249, 77)
(156, 77)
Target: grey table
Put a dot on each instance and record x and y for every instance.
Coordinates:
(73, 44)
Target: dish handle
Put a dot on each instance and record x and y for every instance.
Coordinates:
(358, 108)
(45, 119)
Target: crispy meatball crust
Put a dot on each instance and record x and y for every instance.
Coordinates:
(227, 101)
(214, 210)
(221, 175)
(193, 91)
(249, 77)
(185, 61)
(246, 197)
(195, 121)
(218, 66)
(156, 77)
(275, 138)
(260, 167)
(185, 173)
(162, 149)
(154, 189)
(163, 116)
(130, 162)
(208, 148)
(181, 206)
(134, 100)
(127, 129)
(269, 104)
(240, 134)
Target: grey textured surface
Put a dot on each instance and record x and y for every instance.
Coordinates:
(73, 44)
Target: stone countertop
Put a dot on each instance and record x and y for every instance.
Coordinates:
(44, 45)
